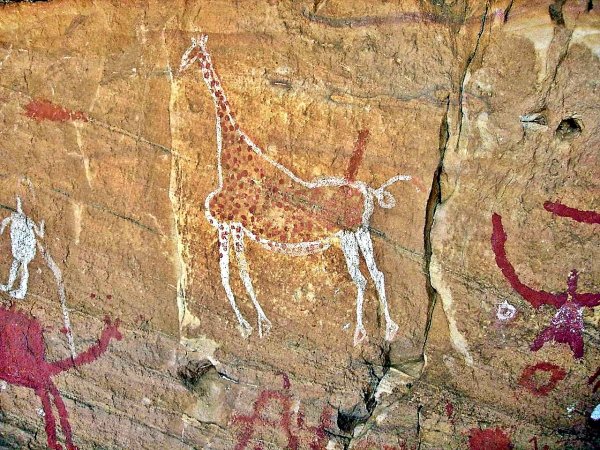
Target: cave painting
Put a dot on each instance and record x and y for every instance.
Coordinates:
(572, 213)
(259, 199)
(23, 232)
(23, 363)
(296, 431)
(529, 378)
(567, 324)
(595, 378)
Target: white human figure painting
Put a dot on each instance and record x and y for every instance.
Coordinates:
(23, 231)
(259, 199)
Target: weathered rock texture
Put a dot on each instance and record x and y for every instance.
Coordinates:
(491, 107)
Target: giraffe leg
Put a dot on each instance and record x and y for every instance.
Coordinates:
(49, 420)
(12, 276)
(238, 246)
(363, 238)
(350, 249)
(224, 232)
(63, 417)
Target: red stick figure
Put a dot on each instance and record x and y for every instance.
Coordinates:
(23, 363)
(567, 324)
(284, 422)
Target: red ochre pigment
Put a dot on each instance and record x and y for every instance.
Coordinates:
(489, 439)
(527, 379)
(40, 109)
(567, 324)
(23, 363)
(284, 423)
(572, 213)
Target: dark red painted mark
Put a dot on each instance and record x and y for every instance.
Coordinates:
(357, 155)
(572, 213)
(249, 423)
(489, 439)
(109, 297)
(41, 109)
(92, 295)
(23, 363)
(596, 378)
(528, 381)
(449, 409)
(535, 444)
(370, 444)
(286, 381)
(567, 324)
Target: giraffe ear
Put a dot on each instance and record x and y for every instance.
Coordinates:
(194, 43)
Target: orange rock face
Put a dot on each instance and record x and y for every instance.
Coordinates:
(136, 157)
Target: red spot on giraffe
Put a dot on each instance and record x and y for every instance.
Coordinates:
(23, 363)
(529, 382)
(489, 439)
(41, 109)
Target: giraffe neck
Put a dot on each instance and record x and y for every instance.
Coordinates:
(213, 83)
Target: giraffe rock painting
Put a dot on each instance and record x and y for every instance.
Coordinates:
(567, 324)
(261, 200)
(23, 363)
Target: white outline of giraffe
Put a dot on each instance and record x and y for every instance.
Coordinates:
(353, 243)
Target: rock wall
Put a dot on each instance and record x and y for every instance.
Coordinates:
(119, 330)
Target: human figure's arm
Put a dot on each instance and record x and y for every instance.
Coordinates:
(5, 222)
(39, 230)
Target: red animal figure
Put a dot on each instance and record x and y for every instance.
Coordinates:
(567, 324)
(285, 423)
(259, 199)
(23, 363)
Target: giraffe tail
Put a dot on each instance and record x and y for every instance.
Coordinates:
(384, 198)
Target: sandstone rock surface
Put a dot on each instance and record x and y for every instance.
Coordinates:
(491, 108)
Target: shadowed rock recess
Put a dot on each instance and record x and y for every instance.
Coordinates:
(300, 224)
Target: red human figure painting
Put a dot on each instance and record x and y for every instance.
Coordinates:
(23, 363)
(567, 324)
(293, 430)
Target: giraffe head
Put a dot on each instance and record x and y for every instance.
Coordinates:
(19, 206)
(193, 52)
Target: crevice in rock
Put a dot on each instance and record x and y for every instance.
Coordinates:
(556, 13)
(507, 10)
(192, 372)
(461, 86)
(361, 413)
(434, 200)
(590, 6)
(435, 194)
